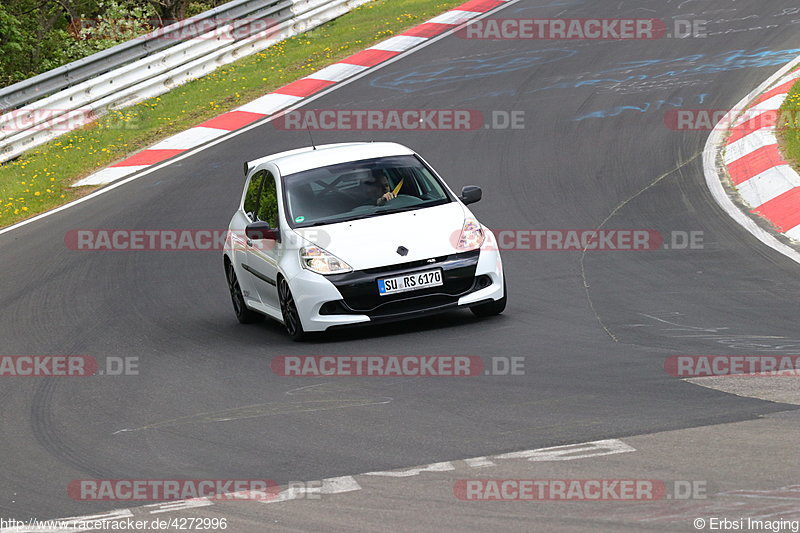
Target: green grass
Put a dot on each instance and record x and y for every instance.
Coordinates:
(40, 179)
(789, 127)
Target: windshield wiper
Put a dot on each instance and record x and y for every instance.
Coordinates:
(401, 209)
(334, 221)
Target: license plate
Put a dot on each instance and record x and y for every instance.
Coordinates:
(410, 282)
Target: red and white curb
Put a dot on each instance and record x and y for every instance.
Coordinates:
(717, 151)
(763, 179)
(291, 94)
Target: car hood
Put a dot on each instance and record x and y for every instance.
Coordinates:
(373, 242)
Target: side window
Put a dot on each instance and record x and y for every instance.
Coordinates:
(251, 198)
(268, 201)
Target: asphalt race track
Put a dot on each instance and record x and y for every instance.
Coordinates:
(594, 328)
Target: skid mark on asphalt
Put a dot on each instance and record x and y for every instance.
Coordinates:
(260, 410)
(723, 335)
(330, 387)
(321, 388)
(782, 390)
(652, 184)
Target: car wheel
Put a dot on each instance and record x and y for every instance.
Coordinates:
(243, 314)
(291, 318)
(491, 308)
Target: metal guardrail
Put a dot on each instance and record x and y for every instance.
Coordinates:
(58, 79)
(151, 65)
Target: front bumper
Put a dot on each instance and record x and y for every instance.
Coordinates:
(350, 299)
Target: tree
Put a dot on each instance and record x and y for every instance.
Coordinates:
(39, 35)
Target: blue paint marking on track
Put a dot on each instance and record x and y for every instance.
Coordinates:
(467, 69)
(676, 102)
(697, 64)
(644, 70)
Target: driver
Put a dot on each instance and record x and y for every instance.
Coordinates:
(377, 186)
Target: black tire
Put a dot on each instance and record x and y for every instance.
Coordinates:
(243, 314)
(291, 318)
(491, 308)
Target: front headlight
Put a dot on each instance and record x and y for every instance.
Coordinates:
(471, 236)
(321, 261)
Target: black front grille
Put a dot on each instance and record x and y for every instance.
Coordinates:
(408, 267)
(360, 289)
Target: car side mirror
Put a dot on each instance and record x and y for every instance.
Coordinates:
(260, 230)
(470, 194)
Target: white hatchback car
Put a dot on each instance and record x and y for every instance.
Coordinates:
(348, 234)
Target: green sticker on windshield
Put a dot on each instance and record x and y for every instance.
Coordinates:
(299, 219)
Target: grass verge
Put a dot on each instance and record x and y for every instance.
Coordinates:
(789, 127)
(40, 179)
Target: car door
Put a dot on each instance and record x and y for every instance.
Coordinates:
(239, 248)
(263, 254)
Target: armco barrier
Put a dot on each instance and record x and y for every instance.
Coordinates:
(143, 68)
(27, 91)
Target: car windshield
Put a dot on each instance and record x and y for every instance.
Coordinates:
(360, 189)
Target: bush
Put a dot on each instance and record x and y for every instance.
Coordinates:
(36, 35)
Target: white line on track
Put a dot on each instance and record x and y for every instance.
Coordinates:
(343, 484)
